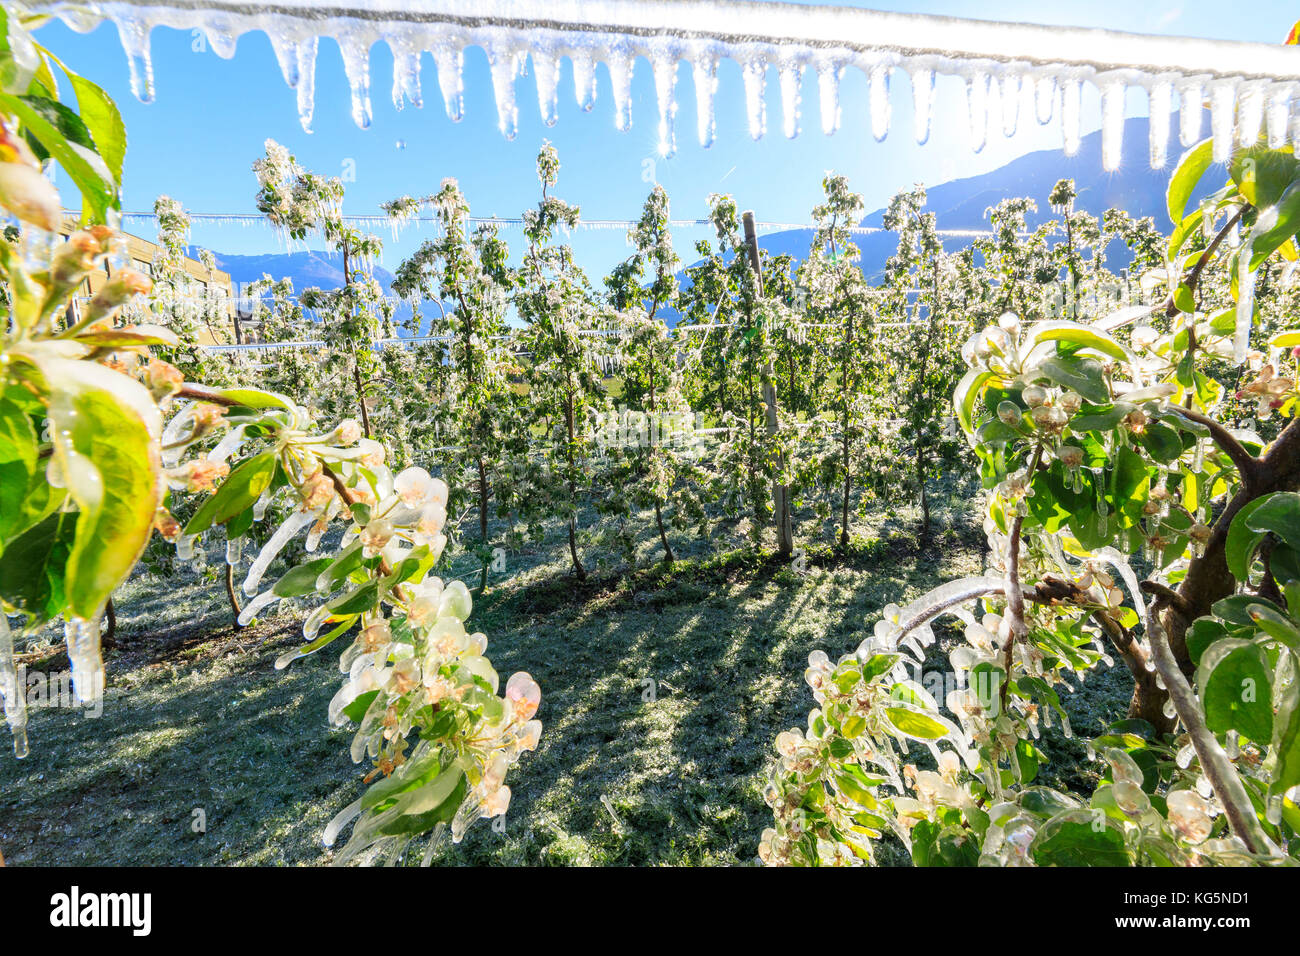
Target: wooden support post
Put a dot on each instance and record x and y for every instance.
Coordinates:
(780, 493)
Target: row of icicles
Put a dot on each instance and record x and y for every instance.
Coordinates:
(1239, 109)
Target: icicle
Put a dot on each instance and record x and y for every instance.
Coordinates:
(584, 80)
(705, 72)
(1245, 302)
(254, 607)
(1190, 106)
(1250, 114)
(546, 71)
(134, 33)
(292, 525)
(356, 66)
(185, 546)
(82, 637)
(284, 47)
(1044, 99)
(755, 77)
(1279, 115)
(1112, 126)
(828, 88)
(11, 690)
(791, 80)
(664, 69)
(450, 62)
(344, 817)
(922, 102)
(234, 550)
(880, 107)
(1009, 93)
(261, 504)
(977, 101)
(1159, 104)
(406, 73)
(220, 35)
(1071, 96)
(621, 63)
(1223, 98)
(306, 89)
(504, 65)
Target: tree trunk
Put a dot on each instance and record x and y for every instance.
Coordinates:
(483, 521)
(109, 637)
(231, 595)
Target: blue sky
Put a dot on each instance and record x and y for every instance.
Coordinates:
(196, 141)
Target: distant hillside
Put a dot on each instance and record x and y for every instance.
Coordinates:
(960, 204)
(320, 269)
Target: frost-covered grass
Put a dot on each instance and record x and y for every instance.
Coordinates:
(627, 772)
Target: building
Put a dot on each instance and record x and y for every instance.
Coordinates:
(207, 283)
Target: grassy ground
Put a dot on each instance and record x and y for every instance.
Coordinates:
(628, 771)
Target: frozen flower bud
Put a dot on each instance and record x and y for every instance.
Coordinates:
(414, 486)
(1070, 402)
(375, 535)
(1071, 456)
(74, 258)
(317, 491)
(30, 196)
(1144, 336)
(377, 635)
(1189, 815)
(432, 519)
(373, 453)
(1136, 421)
(522, 697)
(456, 601)
(208, 415)
(405, 676)
(196, 475)
(496, 803)
(348, 432)
(1199, 533)
(166, 525)
(1009, 413)
(1034, 395)
(118, 290)
(1009, 322)
(1049, 417)
(163, 378)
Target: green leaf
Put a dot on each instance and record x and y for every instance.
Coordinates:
(914, 723)
(1161, 442)
(1278, 513)
(103, 121)
(239, 491)
(1286, 741)
(1079, 838)
(66, 138)
(1274, 226)
(1237, 689)
(1263, 174)
(357, 709)
(302, 579)
(18, 467)
(1243, 541)
(1191, 167)
(112, 424)
(1080, 373)
(967, 393)
(361, 598)
(32, 566)
(1081, 336)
